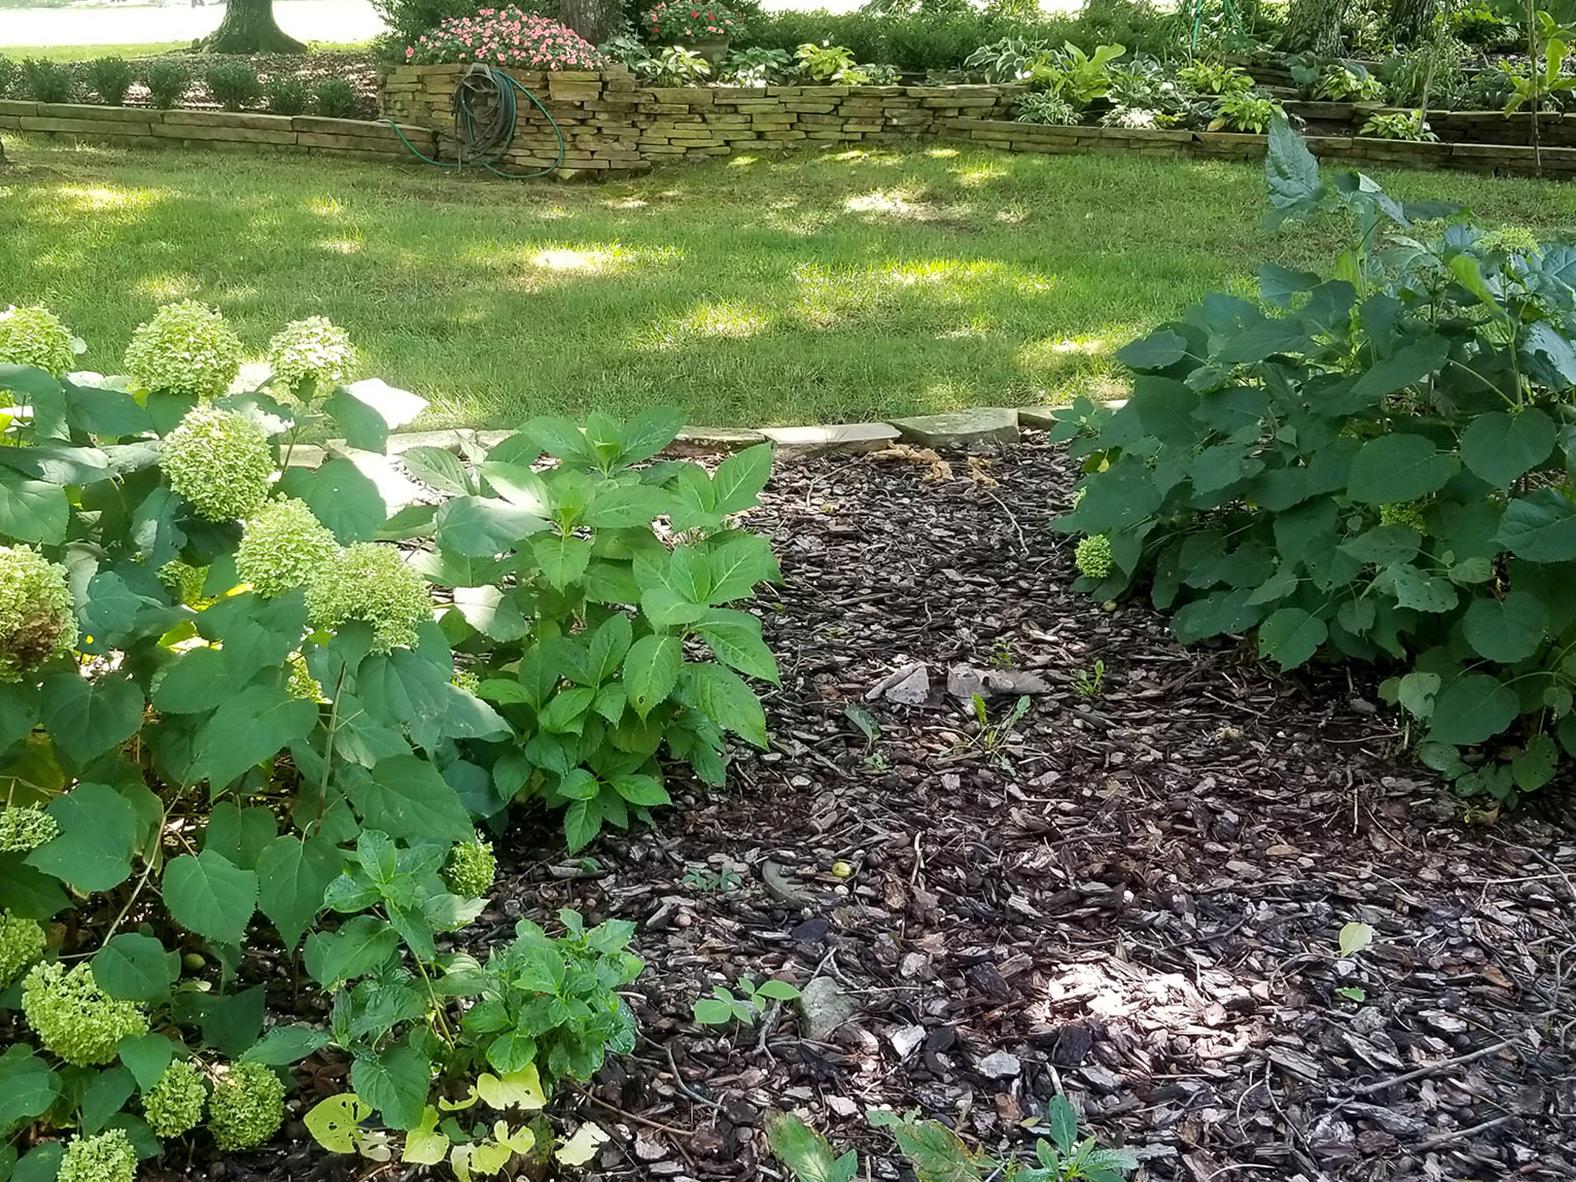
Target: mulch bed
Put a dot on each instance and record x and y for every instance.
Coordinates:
(1134, 898)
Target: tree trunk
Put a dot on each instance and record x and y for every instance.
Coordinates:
(1316, 25)
(1410, 20)
(592, 19)
(249, 27)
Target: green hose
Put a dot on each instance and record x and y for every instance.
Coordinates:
(487, 145)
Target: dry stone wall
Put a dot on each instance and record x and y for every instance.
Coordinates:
(242, 131)
(613, 127)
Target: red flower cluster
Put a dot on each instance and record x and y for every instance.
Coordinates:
(506, 37)
(686, 20)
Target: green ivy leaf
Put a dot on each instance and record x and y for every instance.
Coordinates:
(210, 895)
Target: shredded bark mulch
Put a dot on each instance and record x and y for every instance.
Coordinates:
(1133, 895)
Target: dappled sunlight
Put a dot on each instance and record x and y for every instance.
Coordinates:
(975, 176)
(324, 206)
(743, 161)
(340, 245)
(625, 203)
(99, 199)
(895, 203)
(165, 289)
(941, 153)
(1049, 351)
(724, 321)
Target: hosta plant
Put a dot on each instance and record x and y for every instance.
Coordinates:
(1373, 466)
(1398, 125)
(1074, 75)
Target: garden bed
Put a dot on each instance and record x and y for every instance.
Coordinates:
(1136, 898)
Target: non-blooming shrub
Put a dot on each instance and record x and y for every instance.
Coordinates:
(286, 94)
(109, 78)
(506, 37)
(680, 22)
(35, 336)
(233, 84)
(10, 77)
(187, 349)
(167, 80)
(1372, 469)
(335, 98)
(47, 82)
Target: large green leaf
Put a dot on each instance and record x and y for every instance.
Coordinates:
(651, 670)
(1159, 350)
(1291, 172)
(136, 967)
(342, 496)
(32, 510)
(726, 698)
(27, 1087)
(1472, 708)
(86, 718)
(252, 726)
(1399, 467)
(98, 833)
(741, 477)
(1540, 527)
(394, 1082)
(735, 638)
(480, 527)
(1405, 367)
(562, 558)
(1500, 447)
(1121, 496)
(293, 876)
(1506, 630)
(807, 1153)
(210, 895)
(1291, 636)
(360, 945)
(408, 797)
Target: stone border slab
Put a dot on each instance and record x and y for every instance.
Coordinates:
(961, 428)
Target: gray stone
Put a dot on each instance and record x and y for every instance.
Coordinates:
(961, 428)
(1043, 417)
(836, 437)
(905, 1040)
(1000, 1065)
(908, 686)
(965, 681)
(720, 438)
(824, 1007)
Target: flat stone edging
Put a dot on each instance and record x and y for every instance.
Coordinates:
(307, 134)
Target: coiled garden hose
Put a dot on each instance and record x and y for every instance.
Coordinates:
(486, 141)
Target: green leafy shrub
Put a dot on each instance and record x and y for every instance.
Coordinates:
(335, 98)
(674, 66)
(36, 337)
(755, 67)
(822, 64)
(1480, 25)
(1042, 106)
(233, 84)
(1375, 471)
(11, 78)
(109, 78)
(47, 82)
(1398, 125)
(1007, 60)
(286, 94)
(1215, 78)
(167, 80)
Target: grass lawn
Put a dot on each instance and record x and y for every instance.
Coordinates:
(810, 287)
(86, 53)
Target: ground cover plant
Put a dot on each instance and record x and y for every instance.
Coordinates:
(1374, 471)
(847, 286)
(234, 729)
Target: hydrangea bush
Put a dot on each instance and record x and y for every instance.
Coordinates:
(230, 717)
(506, 37)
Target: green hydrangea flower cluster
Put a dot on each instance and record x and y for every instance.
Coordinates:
(311, 356)
(466, 680)
(35, 336)
(37, 619)
(1407, 513)
(21, 943)
(301, 683)
(219, 461)
(186, 582)
(1094, 558)
(174, 1104)
(470, 869)
(25, 827)
(76, 1019)
(371, 583)
(1511, 240)
(282, 546)
(187, 349)
(108, 1157)
(247, 1106)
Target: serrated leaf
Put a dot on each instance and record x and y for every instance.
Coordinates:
(334, 1122)
(210, 895)
(85, 718)
(135, 967)
(407, 797)
(651, 670)
(1540, 527)
(806, 1152)
(741, 477)
(1507, 630)
(98, 833)
(1501, 447)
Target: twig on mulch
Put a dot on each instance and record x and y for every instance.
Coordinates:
(1433, 1068)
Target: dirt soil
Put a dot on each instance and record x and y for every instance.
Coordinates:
(1134, 895)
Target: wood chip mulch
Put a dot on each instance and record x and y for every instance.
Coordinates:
(1135, 898)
